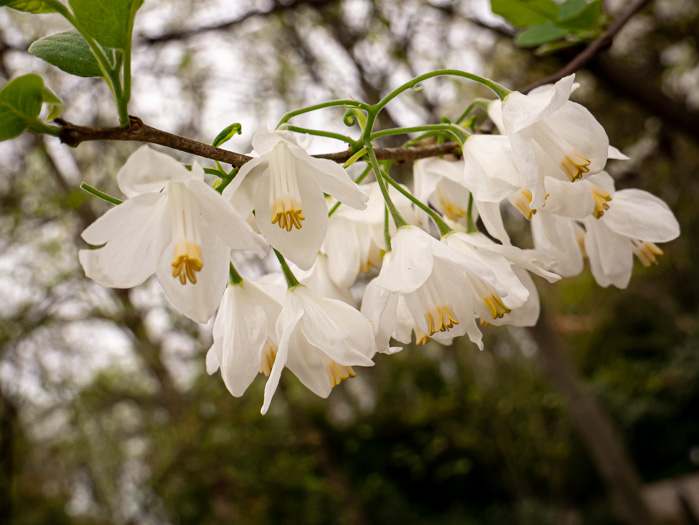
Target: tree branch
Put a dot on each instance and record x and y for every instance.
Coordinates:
(604, 41)
(228, 24)
(73, 135)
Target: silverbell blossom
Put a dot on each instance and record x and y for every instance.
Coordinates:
(355, 241)
(549, 134)
(285, 186)
(173, 224)
(245, 338)
(320, 340)
(520, 307)
(429, 276)
(633, 222)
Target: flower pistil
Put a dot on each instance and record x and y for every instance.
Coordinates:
(284, 195)
(186, 260)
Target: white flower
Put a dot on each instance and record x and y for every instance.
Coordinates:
(634, 221)
(320, 340)
(442, 184)
(285, 186)
(355, 242)
(551, 135)
(430, 277)
(245, 338)
(520, 307)
(173, 224)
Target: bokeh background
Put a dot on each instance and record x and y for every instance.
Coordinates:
(107, 415)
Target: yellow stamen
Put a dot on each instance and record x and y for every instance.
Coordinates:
(186, 262)
(337, 372)
(575, 167)
(495, 305)
(452, 210)
(421, 337)
(521, 201)
(647, 252)
(288, 214)
(444, 317)
(601, 199)
(268, 356)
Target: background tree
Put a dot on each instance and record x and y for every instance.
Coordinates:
(106, 412)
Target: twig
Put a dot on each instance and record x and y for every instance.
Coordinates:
(73, 135)
(604, 41)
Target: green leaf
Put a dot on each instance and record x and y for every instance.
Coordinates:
(29, 6)
(107, 21)
(20, 103)
(570, 8)
(227, 134)
(67, 51)
(586, 19)
(541, 34)
(54, 105)
(523, 13)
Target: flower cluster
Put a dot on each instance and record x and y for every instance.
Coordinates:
(546, 164)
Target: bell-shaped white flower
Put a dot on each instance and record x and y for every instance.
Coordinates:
(442, 184)
(634, 221)
(355, 241)
(429, 275)
(173, 224)
(320, 340)
(508, 263)
(245, 337)
(551, 135)
(285, 186)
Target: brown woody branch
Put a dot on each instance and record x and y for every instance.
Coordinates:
(72, 135)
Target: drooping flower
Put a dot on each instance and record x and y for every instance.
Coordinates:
(285, 186)
(551, 136)
(520, 307)
(355, 242)
(320, 340)
(245, 337)
(430, 277)
(173, 224)
(631, 225)
(442, 184)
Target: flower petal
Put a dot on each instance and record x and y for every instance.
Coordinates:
(147, 170)
(330, 177)
(336, 328)
(225, 221)
(521, 111)
(136, 233)
(610, 254)
(298, 245)
(641, 215)
(197, 301)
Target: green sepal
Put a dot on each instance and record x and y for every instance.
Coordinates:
(29, 6)
(227, 134)
(69, 52)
